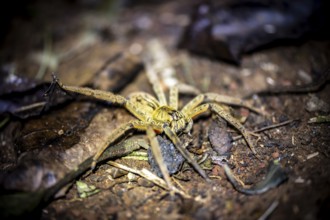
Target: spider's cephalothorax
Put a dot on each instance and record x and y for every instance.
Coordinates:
(174, 118)
(159, 116)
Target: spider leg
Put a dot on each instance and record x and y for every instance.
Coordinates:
(193, 104)
(162, 65)
(221, 99)
(140, 114)
(154, 81)
(174, 97)
(222, 112)
(150, 100)
(118, 133)
(155, 148)
(98, 94)
(177, 142)
(107, 96)
(142, 105)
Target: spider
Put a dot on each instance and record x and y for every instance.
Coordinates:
(159, 116)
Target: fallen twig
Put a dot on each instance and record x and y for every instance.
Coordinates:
(151, 177)
(266, 128)
(319, 119)
(269, 211)
(310, 156)
(275, 176)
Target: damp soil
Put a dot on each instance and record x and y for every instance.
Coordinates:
(36, 152)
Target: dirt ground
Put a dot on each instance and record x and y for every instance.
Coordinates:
(81, 39)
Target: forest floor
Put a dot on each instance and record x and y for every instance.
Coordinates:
(54, 142)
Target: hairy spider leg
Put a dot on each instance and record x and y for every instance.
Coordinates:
(192, 104)
(154, 81)
(133, 109)
(98, 94)
(177, 142)
(141, 100)
(140, 96)
(107, 96)
(174, 97)
(223, 113)
(222, 99)
(155, 149)
(122, 131)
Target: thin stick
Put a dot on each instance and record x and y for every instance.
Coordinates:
(269, 211)
(149, 176)
(29, 107)
(266, 128)
(4, 121)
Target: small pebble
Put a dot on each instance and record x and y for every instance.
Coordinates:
(60, 132)
(306, 139)
(132, 176)
(299, 180)
(275, 155)
(315, 104)
(217, 171)
(145, 183)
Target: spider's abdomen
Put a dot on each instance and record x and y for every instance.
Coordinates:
(175, 119)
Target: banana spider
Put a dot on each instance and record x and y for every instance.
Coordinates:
(157, 116)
